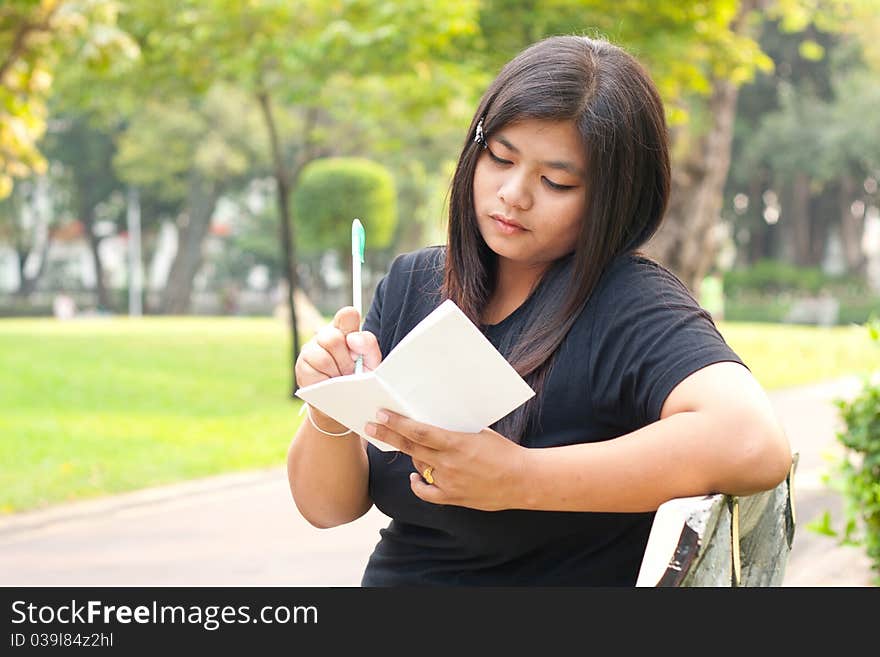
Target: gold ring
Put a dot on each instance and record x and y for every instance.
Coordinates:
(427, 474)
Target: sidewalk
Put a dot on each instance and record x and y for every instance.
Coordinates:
(244, 529)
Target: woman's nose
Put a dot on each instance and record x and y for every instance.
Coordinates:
(515, 192)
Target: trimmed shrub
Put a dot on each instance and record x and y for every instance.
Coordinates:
(776, 276)
(334, 191)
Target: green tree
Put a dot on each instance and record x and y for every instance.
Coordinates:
(85, 155)
(334, 191)
(283, 55)
(189, 153)
(807, 139)
(26, 225)
(699, 54)
(252, 241)
(34, 36)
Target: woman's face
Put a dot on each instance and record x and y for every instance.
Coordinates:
(530, 191)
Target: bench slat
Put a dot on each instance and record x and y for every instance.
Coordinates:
(721, 540)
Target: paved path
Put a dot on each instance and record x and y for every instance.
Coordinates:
(243, 529)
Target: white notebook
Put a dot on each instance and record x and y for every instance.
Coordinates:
(444, 372)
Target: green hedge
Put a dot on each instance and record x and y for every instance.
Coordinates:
(775, 277)
(775, 308)
(856, 473)
(756, 310)
(24, 309)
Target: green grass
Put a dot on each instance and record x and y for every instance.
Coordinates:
(781, 355)
(91, 407)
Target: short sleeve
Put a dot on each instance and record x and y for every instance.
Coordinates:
(649, 335)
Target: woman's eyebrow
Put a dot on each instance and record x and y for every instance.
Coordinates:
(562, 165)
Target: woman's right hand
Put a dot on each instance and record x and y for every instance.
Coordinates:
(333, 350)
(329, 478)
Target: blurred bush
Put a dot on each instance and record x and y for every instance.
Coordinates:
(770, 290)
(857, 473)
(332, 192)
(777, 277)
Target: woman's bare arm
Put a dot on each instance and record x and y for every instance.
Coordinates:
(328, 475)
(717, 433)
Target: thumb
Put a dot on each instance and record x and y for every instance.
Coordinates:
(347, 319)
(364, 342)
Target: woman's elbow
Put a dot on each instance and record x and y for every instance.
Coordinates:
(321, 516)
(320, 523)
(767, 456)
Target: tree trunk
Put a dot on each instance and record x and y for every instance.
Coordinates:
(87, 216)
(150, 243)
(177, 294)
(687, 241)
(284, 184)
(24, 247)
(758, 246)
(798, 218)
(823, 221)
(852, 228)
(28, 285)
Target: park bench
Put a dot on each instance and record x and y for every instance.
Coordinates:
(721, 540)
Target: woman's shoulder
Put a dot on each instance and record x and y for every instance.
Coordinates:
(637, 274)
(421, 269)
(427, 258)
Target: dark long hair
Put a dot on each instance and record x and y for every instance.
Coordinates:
(616, 108)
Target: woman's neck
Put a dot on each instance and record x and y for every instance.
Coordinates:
(513, 284)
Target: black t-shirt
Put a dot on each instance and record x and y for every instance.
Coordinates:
(638, 336)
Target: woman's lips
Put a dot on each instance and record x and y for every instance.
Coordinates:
(506, 226)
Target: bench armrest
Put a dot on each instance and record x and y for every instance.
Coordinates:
(722, 540)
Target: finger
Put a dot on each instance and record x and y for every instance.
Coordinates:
(347, 319)
(320, 360)
(425, 491)
(420, 467)
(401, 443)
(305, 372)
(420, 433)
(332, 340)
(364, 342)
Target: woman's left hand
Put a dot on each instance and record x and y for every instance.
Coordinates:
(477, 470)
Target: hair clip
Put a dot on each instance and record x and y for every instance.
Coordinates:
(479, 137)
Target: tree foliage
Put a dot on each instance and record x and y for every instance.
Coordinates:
(334, 191)
(683, 44)
(808, 136)
(34, 36)
(218, 136)
(222, 90)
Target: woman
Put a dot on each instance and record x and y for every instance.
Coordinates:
(564, 175)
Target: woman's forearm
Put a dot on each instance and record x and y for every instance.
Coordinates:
(685, 454)
(328, 475)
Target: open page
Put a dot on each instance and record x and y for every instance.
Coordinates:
(444, 372)
(353, 400)
(451, 375)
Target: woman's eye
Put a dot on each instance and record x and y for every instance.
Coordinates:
(553, 185)
(497, 159)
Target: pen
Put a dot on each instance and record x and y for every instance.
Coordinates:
(358, 243)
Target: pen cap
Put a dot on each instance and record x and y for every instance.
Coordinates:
(358, 240)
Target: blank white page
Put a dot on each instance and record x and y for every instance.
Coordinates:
(450, 375)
